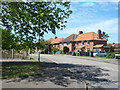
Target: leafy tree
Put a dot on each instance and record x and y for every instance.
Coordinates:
(65, 49)
(105, 35)
(41, 44)
(8, 39)
(55, 49)
(110, 49)
(30, 20)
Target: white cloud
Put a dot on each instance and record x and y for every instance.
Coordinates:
(109, 26)
(94, 0)
(88, 4)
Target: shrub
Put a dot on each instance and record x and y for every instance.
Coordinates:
(55, 49)
(65, 49)
(118, 52)
(110, 55)
(70, 51)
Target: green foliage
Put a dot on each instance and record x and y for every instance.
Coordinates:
(105, 35)
(118, 52)
(30, 20)
(65, 49)
(55, 49)
(70, 51)
(110, 49)
(8, 39)
(110, 55)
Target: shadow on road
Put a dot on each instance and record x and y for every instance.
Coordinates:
(61, 74)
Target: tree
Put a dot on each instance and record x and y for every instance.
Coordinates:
(55, 49)
(105, 35)
(8, 39)
(65, 49)
(30, 20)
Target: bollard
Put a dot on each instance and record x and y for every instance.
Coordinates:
(86, 86)
(38, 56)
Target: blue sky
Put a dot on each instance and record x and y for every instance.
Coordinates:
(89, 17)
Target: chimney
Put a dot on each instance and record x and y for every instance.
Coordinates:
(80, 32)
(99, 34)
(56, 37)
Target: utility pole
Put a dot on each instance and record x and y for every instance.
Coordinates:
(12, 53)
(39, 51)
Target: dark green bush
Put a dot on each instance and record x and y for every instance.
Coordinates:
(110, 55)
(70, 51)
(65, 49)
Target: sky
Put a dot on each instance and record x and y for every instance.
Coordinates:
(89, 17)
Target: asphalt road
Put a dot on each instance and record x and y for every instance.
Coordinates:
(99, 73)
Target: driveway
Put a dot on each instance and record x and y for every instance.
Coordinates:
(99, 73)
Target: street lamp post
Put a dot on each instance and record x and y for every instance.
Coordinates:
(39, 56)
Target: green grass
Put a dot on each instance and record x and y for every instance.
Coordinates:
(20, 69)
(101, 57)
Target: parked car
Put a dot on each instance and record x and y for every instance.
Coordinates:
(100, 53)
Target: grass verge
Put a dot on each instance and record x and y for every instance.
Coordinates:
(20, 69)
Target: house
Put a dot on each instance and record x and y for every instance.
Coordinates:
(69, 42)
(81, 42)
(56, 42)
(50, 40)
(116, 46)
(90, 42)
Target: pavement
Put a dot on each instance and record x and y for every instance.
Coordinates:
(97, 73)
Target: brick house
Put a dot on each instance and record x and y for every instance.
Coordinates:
(81, 42)
(90, 42)
(115, 46)
(56, 42)
(69, 42)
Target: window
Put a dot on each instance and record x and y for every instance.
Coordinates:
(77, 43)
(88, 49)
(82, 42)
(96, 50)
(78, 50)
(68, 43)
(62, 44)
(88, 42)
(58, 45)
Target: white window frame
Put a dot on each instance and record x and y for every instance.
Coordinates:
(88, 49)
(87, 42)
(77, 43)
(62, 44)
(82, 43)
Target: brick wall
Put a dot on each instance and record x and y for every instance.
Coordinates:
(91, 44)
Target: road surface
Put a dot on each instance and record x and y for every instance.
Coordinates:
(99, 73)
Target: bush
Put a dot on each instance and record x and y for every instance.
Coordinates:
(55, 49)
(70, 51)
(118, 52)
(110, 55)
(65, 49)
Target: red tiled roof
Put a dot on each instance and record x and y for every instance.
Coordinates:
(57, 40)
(72, 37)
(50, 40)
(89, 36)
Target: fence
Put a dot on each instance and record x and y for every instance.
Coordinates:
(9, 54)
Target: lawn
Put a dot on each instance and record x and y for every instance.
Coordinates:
(20, 69)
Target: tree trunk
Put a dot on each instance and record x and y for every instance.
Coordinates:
(29, 53)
